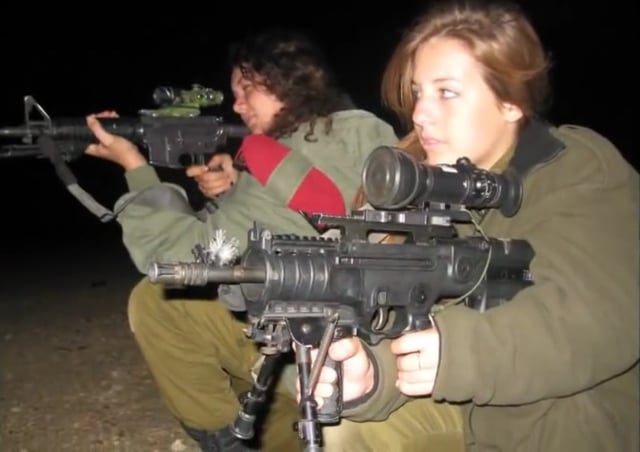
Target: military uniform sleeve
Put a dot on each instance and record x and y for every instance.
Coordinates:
(577, 326)
(157, 221)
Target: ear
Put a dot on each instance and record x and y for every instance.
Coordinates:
(511, 112)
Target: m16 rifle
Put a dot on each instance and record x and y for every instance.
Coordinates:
(175, 135)
(314, 290)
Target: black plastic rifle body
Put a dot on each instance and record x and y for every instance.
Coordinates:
(171, 142)
(314, 290)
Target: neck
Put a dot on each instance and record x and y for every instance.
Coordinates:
(500, 160)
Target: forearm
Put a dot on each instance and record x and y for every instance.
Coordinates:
(141, 177)
(576, 327)
(158, 223)
(152, 235)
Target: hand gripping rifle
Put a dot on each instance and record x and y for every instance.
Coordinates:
(175, 135)
(314, 290)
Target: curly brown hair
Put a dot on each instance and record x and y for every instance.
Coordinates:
(293, 67)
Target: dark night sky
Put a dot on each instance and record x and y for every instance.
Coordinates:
(110, 59)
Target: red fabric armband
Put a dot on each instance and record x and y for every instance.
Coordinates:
(262, 155)
(316, 193)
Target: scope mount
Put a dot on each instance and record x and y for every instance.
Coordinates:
(430, 221)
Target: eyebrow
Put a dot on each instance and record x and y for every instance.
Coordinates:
(440, 80)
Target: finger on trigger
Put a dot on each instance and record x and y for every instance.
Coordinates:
(194, 171)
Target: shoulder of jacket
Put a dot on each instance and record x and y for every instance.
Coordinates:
(589, 150)
(353, 113)
(584, 137)
(346, 125)
(357, 116)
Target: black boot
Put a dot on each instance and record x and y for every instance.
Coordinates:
(220, 441)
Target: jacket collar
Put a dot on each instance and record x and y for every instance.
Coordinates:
(536, 145)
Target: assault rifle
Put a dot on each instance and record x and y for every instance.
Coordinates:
(314, 290)
(175, 135)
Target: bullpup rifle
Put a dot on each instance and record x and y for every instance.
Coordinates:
(174, 135)
(312, 291)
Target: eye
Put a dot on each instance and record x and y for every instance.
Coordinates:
(447, 93)
(415, 91)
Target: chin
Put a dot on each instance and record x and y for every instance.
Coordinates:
(439, 158)
(438, 154)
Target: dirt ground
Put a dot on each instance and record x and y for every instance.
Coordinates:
(71, 376)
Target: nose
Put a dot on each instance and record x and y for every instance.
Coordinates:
(424, 112)
(239, 105)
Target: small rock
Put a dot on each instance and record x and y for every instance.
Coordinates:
(178, 446)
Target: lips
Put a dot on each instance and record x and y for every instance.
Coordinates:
(430, 141)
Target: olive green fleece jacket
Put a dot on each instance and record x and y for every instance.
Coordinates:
(555, 368)
(164, 229)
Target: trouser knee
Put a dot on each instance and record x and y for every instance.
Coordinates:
(142, 299)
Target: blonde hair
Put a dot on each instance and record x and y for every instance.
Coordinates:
(501, 39)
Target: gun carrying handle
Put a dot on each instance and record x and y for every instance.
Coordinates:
(331, 409)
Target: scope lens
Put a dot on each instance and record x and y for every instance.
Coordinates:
(391, 178)
(380, 176)
(163, 95)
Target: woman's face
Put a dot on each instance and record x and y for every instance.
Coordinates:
(456, 114)
(254, 103)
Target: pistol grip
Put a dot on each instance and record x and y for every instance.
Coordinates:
(329, 412)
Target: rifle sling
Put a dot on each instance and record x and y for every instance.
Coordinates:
(48, 149)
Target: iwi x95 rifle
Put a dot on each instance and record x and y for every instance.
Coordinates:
(315, 290)
(174, 135)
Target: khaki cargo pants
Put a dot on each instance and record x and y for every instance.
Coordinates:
(200, 359)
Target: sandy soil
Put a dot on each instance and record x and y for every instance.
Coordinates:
(71, 376)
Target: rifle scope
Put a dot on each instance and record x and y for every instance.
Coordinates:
(197, 96)
(393, 179)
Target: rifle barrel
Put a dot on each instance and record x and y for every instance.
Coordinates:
(76, 128)
(19, 150)
(16, 132)
(200, 274)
